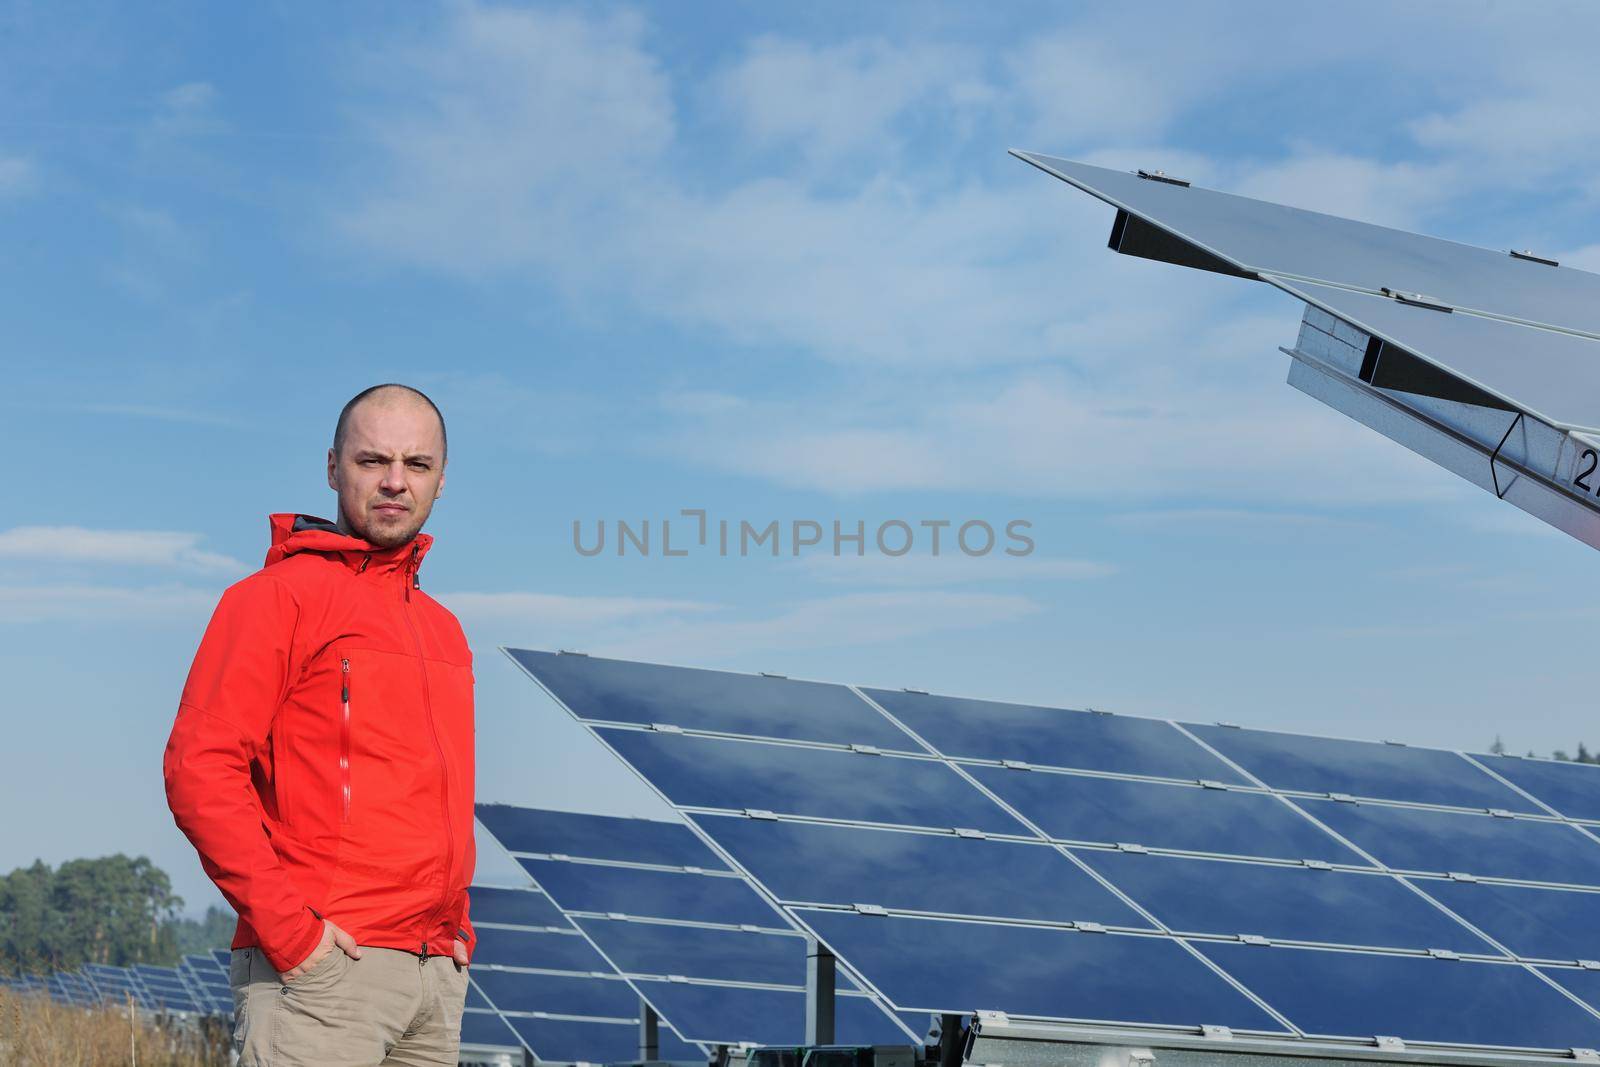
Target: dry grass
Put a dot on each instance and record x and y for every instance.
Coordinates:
(37, 1032)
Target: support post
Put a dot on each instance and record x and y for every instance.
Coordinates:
(951, 1046)
(820, 978)
(649, 1032)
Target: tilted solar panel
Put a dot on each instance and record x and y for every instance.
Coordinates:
(538, 983)
(1429, 898)
(695, 940)
(1487, 363)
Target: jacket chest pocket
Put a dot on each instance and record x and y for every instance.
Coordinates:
(344, 739)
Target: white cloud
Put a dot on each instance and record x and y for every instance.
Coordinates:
(560, 610)
(18, 175)
(951, 567)
(141, 548)
(825, 102)
(93, 603)
(828, 622)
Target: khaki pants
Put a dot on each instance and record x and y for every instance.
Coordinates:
(388, 1007)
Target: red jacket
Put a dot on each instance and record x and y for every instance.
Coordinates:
(322, 758)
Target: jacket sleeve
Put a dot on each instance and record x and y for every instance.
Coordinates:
(240, 676)
(464, 931)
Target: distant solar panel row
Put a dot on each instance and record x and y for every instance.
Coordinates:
(964, 855)
(152, 989)
(698, 943)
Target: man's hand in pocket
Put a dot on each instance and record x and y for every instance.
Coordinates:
(333, 940)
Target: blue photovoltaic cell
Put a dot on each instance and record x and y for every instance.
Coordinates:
(558, 994)
(729, 1014)
(624, 691)
(1414, 998)
(1583, 984)
(652, 894)
(475, 997)
(1083, 808)
(597, 837)
(1283, 903)
(545, 951)
(1413, 839)
(697, 952)
(1361, 769)
(1547, 924)
(224, 958)
(943, 966)
(513, 907)
(809, 863)
(1573, 789)
(568, 1040)
(484, 1028)
(791, 780)
(986, 729)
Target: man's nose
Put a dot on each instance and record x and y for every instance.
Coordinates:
(394, 478)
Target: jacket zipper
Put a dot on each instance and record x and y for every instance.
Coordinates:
(444, 771)
(344, 738)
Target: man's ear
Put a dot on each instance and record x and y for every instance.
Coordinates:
(438, 490)
(333, 469)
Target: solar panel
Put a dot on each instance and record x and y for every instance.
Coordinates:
(1405, 910)
(1487, 363)
(714, 959)
(537, 982)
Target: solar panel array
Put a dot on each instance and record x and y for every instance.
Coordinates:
(192, 987)
(965, 855)
(716, 961)
(537, 982)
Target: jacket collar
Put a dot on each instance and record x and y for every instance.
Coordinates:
(293, 532)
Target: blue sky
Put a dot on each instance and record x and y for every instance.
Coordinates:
(773, 263)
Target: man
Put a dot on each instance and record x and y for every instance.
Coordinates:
(321, 763)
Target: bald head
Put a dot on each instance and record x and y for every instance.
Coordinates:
(387, 463)
(387, 395)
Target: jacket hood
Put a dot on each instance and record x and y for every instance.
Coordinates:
(293, 532)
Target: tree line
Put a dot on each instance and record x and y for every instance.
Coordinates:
(115, 910)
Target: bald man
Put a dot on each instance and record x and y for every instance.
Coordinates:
(321, 763)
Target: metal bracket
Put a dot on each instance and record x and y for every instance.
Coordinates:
(1207, 783)
(1499, 492)
(1016, 765)
(970, 834)
(770, 674)
(1396, 744)
(1532, 258)
(694, 870)
(1589, 965)
(870, 909)
(1217, 1033)
(1254, 939)
(1444, 954)
(1389, 1044)
(1586, 1055)
(1089, 928)
(1098, 711)
(666, 728)
(760, 813)
(1462, 876)
(1230, 726)
(1343, 798)
(1162, 176)
(1129, 846)
(570, 652)
(919, 692)
(1500, 813)
(1318, 865)
(867, 750)
(1417, 300)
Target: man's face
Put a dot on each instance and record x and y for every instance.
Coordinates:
(391, 470)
